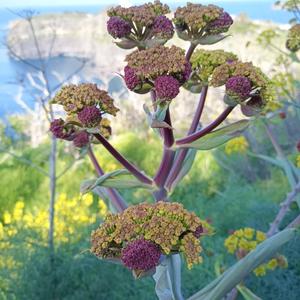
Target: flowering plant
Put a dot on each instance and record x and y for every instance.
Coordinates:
(147, 238)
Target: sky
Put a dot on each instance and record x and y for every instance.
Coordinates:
(23, 3)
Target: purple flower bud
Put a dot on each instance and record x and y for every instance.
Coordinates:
(187, 71)
(163, 27)
(166, 87)
(221, 24)
(57, 127)
(90, 116)
(198, 231)
(253, 106)
(130, 77)
(238, 88)
(117, 27)
(141, 255)
(81, 139)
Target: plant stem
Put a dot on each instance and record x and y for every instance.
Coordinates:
(122, 160)
(295, 223)
(190, 51)
(164, 168)
(182, 154)
(114, 196)
(274, 141)
(167, 159)
(284, 207)
(195, 136)
(167, 133)
(52, 175)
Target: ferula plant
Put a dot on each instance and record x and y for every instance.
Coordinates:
(149, 238)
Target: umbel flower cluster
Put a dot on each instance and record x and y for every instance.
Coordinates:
(242, 241)
(196, 21)
(85, 104)
(160, 67)
(141, 25)
(204, 62)
(245, 84)
(293, 40)
(141, 234)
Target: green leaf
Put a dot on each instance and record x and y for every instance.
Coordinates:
(168, 278)
(218, 137)
(247, 294)
(211, 39)
(121, 179)
(233, 276)
(126, 44)
(163, 285)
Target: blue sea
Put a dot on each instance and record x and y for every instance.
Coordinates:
(10, 69)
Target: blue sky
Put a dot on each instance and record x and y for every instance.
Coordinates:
(22, 3)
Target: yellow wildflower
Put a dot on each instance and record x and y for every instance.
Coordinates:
(272, 264)
(231, 243)
(239, 233)
(260, 236)
(236, 145)
(248, 233)
(87, 199)
(260, 271)
(7, 218)
(1, 230)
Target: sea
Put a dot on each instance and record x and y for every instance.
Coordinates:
(11, 70)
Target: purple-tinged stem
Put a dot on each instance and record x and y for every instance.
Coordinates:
(182, 154)
(195, 136)
(164, 168)
(116, 199)
(122, 160)
(167, 133)
(168, 156)
(190, 51)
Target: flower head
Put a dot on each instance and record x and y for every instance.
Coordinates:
(195, 21)
(151, 63)
(142, 15)
(238, 88)
(60, 130)
(204, 62)
(81, 139)
(140, 255)
(166, 87)
(75, 97)
(90, 116)
(117, 27)
(167, 226)
(221, 24)
(162, 27)
(293, 40)
(237, 76)
(131, 79)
